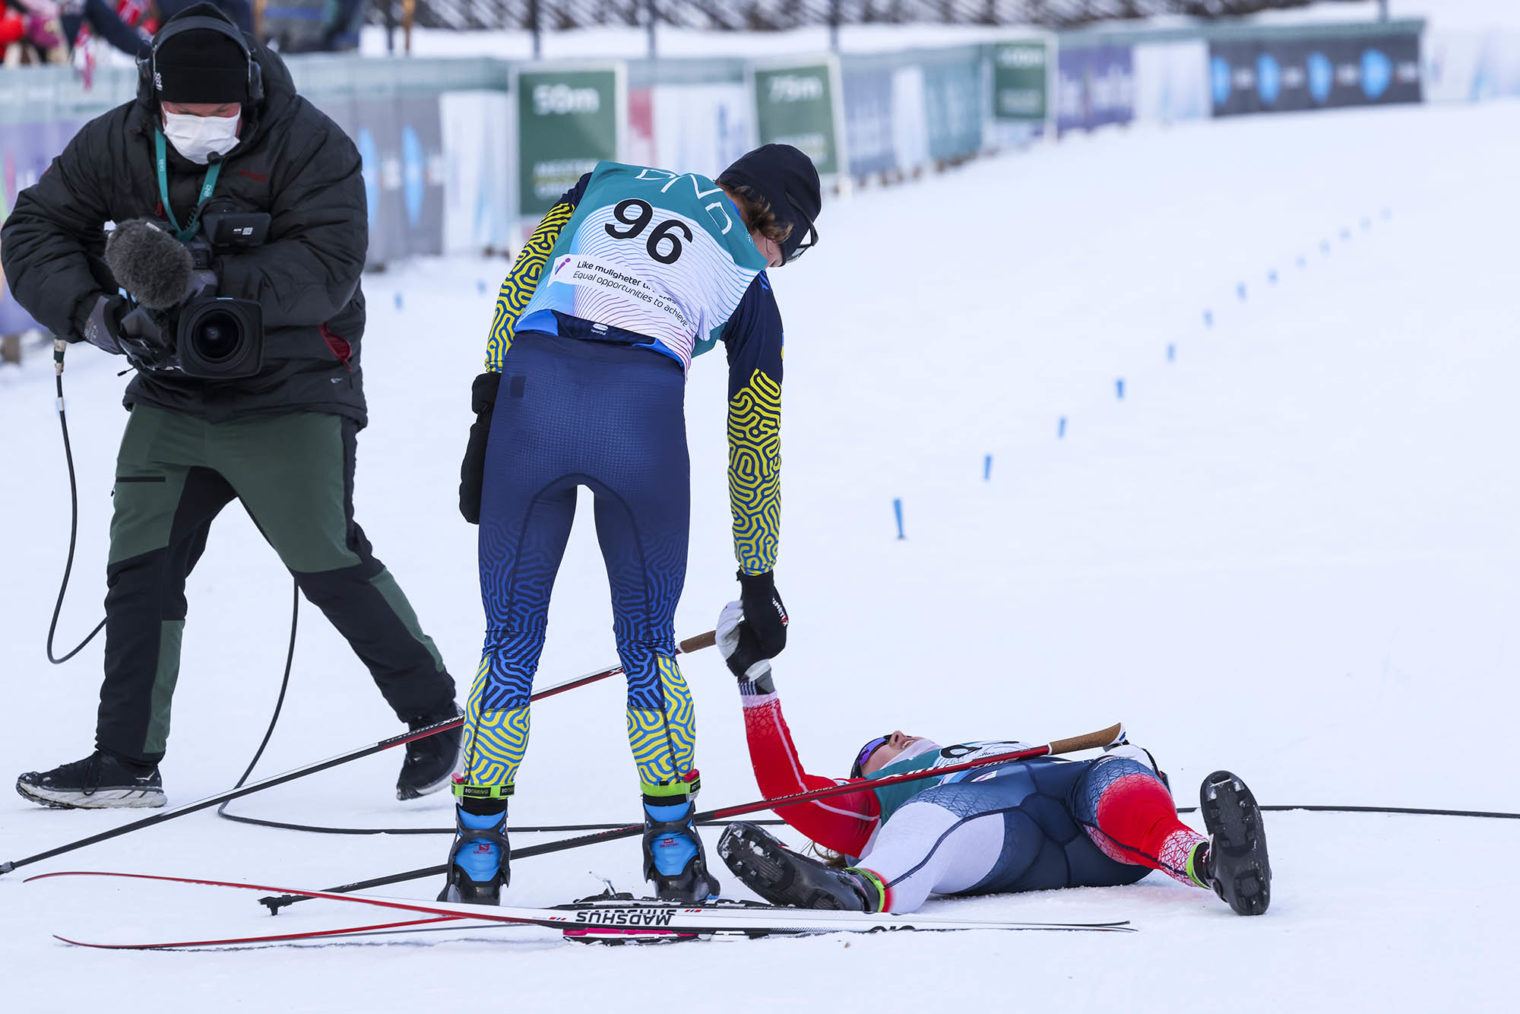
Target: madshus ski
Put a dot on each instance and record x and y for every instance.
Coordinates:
(609, 919)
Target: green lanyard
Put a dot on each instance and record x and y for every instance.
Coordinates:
(183, 235)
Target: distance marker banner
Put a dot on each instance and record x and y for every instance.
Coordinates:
(568, 120)
(801, 104)
(1020, 80)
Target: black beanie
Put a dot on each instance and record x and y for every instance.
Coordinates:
(788, 181)
(201, 65)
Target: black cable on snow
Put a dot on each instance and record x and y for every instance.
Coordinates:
(515, 829)
(68, 566)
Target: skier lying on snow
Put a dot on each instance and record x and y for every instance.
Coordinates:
(1021, 826)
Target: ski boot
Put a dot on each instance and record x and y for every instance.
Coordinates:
(1234, 863)
(673, 857)
(480, 858)
(784, 877)
(430, 761)
(102, 780)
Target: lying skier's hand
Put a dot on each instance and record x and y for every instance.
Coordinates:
(740, 651)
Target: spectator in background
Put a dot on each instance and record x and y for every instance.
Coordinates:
(55, 27)
(31, 34)
(12, 29)
(315, 26)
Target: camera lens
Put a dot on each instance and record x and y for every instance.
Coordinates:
(217, 335)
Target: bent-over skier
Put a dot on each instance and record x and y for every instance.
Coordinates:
(631, 274)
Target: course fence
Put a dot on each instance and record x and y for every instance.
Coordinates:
(460, 153)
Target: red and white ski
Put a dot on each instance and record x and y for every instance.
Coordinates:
(612, 920)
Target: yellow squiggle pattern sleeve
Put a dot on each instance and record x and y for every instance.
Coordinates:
(517, 288)
(754, 471)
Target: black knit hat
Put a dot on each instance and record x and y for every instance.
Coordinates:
(788, 181)
(200, 65)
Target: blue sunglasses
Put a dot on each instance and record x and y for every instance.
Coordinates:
(865, 754)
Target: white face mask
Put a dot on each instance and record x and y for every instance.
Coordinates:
(199, 137)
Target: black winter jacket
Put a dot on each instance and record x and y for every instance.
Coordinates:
(292, 162)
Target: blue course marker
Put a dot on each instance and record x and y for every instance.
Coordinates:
(1302, 261)
(1208, 318)
(1272, 276)
(987, 468)
(1324, 246)
(480, 286)
(1061, 428)
(1119, 388)
(1171, 353)
(398, 300)
(1240, 291)
(897, 509)
(1345, 234)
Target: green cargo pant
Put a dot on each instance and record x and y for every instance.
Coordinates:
(294, 474)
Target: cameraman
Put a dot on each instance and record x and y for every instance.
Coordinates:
(218, 130)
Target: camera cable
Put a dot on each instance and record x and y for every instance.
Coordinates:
(68, 452)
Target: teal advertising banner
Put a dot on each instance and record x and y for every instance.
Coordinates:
(800, 104)
(567, 121)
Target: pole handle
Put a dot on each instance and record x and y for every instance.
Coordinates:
(1089, 741)
(699, 642)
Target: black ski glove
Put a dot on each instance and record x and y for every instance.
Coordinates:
(763, 629)
(472, 469)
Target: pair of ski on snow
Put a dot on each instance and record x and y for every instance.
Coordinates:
(606, 919)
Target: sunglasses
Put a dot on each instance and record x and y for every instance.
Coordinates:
(865, 754)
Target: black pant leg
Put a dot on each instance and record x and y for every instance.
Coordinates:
(146, 607)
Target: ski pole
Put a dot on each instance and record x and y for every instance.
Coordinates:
(689, 645)
(1088, 741)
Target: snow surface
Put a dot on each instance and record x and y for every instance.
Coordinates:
(1291, 552)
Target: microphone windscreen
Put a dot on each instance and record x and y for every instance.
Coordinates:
(149, 263)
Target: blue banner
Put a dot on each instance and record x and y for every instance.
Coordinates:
(1297, 74)
(1095, 85)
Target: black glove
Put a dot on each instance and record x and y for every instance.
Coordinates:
(472, 469)
(763, 629)
(147, 340)
(101, 324)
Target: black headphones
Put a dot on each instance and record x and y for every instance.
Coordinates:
(147, 63)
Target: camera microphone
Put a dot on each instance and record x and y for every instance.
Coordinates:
(149, 263)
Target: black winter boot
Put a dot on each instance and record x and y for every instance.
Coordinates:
(102, 780)
(432, 760)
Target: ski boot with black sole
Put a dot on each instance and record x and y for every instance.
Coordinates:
(479, 860)
(675, 843)
(784, 877)
(1236, 865)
